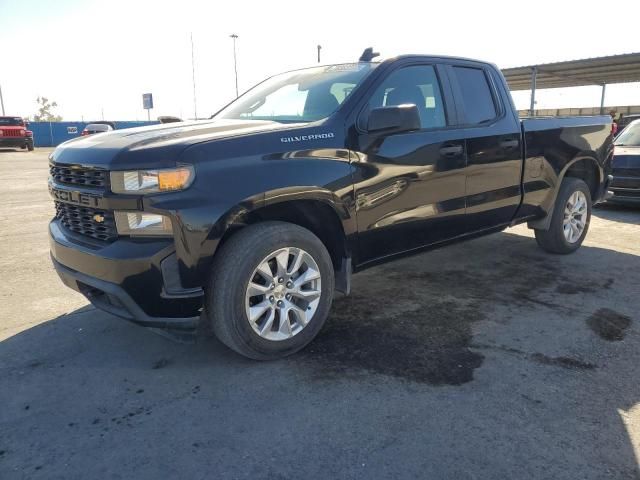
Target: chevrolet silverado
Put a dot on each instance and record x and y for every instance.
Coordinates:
(251, 220)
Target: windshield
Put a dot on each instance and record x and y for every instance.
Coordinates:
(299, 96)
(630, 136)
(11, 121)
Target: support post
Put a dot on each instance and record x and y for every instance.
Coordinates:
(534, 73)
(1, 100)
(235, 61)
(604, 90)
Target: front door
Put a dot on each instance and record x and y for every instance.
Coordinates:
(410, 187)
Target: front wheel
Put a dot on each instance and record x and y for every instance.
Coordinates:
(270, 290)
(570, 219)
(30, 147)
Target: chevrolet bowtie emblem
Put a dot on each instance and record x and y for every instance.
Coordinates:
(98, 218)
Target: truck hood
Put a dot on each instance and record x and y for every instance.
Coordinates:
(156, 145)
(626, 150)
(626, 160)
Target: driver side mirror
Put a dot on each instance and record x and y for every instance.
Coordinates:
(394, 119)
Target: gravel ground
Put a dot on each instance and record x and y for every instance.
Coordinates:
(487, 359)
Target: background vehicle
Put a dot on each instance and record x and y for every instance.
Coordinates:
(626, 166)
(14, 133)
(169, 119)
(260, 213)
(626, 120)
(92, 128)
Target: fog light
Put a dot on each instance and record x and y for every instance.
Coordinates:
(143, 224)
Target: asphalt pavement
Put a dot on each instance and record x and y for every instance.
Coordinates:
(488, 359)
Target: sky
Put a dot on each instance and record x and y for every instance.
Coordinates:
(97, 58)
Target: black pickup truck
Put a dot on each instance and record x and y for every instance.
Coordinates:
(251, 220)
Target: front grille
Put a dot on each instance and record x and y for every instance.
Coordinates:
(12, 133)
(86, 221)
(626, 182)
(78, 175)
(621, 192)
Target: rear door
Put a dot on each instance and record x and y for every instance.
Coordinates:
(493, 144)
(410, 187)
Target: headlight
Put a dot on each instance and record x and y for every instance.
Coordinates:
(142, 224)
(138, 182)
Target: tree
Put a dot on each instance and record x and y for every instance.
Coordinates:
(45, 113)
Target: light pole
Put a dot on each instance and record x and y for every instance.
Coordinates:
(235, 61)
(193, 78)
(319, 48)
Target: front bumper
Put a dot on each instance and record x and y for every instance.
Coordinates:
(625, 190)
(15, 142)
(135, 280)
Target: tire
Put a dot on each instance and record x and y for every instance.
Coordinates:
(228, 301)
(555, 240)
(30, 147)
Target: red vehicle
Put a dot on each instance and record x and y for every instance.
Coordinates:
(14, 133)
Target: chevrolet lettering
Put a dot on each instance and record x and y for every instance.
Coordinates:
(73, 197)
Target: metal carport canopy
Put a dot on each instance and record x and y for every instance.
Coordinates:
(575, 73)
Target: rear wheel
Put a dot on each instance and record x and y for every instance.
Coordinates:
(570, 219)
(270, 291)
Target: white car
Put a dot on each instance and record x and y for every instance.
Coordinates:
(92, 128)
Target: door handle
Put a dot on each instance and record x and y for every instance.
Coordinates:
(509, 144)
(451, 150)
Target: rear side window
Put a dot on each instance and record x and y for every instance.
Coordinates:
(476, 94)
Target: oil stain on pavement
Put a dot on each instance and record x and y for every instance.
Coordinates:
(426, 345)
(416, 325)
(609, 324)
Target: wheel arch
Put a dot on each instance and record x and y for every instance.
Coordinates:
(318, 210)
(585, 167)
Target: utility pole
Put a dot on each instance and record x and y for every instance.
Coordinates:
(235, 60)
(1, 100)
(319, 48)
(193, 78)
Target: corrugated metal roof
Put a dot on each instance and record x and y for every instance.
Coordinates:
(574, 73)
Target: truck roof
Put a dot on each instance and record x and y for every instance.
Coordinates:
(436, 57)
(382, 60)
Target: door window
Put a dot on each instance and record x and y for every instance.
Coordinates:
(476, 95)
(416, 85)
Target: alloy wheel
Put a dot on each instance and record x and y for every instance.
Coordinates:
(575, 216)
(283, 293)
